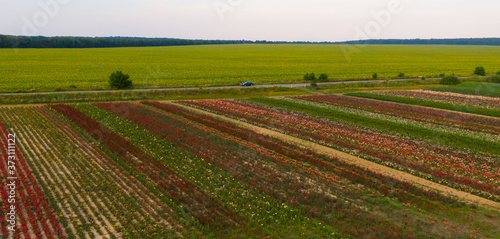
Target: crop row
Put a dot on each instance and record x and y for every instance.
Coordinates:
(462, 170)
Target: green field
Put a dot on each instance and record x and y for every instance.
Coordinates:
(149, 67)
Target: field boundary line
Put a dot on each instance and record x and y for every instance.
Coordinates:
(417, 181)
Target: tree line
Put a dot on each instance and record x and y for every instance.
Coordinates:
(458, 41)
(100, 42)
(7, 41)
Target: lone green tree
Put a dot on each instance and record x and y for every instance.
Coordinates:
(375, 76)
(118, 80)
(480, 71)
(323, 77)
(309, 77)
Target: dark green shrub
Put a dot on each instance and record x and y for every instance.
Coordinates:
(309, 77)
(314, 85)
(450, 80)
(118, 80)
(480, 71)
(401, 75)
(494, 79)
(374, 76)
(498, 73)
(323, 77)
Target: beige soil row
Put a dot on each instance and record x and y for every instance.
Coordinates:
(420, 182)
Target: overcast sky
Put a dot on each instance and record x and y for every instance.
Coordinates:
(287, 20)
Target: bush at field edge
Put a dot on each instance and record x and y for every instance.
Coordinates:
(480, 71)
(450, 80)
(118, 80)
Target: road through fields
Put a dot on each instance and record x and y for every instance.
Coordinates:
(208, 88)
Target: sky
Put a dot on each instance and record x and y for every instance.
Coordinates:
(272, 20)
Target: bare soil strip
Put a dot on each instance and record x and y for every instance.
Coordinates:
(420, 182)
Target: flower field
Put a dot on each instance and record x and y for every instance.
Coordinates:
(29, 206)
(163, 170)
(467, 103)
(459, 169)
(449, 97)
(419, 113)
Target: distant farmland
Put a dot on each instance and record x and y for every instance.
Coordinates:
(83, 69)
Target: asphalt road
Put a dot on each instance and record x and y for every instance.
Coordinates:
(214, 87)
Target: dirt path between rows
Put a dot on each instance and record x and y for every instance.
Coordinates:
(420, 182)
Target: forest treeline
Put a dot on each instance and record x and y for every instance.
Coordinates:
(458, 41)
(7, 41)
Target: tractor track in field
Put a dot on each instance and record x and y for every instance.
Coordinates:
(420, 182)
